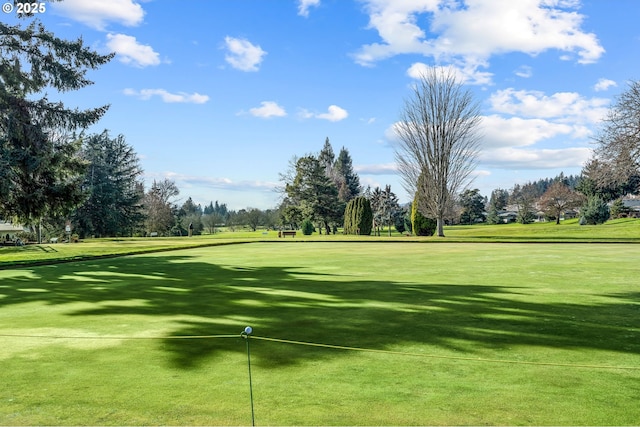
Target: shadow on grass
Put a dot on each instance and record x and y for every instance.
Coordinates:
(289, 304)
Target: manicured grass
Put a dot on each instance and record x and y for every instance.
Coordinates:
(622, 231)
(90, 343)
(618, 230)
(11, 256)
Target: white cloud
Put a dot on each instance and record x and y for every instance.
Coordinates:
(129, 51)
(604, 84)
(242, 54)
(334, 114)
(471, 32)
(465, 74)
(304, 5)
(499, 132)
(377, 169)
(168, 97)
(563, 106)
(524, 71)
(518, 158)
(268, 109)
(97, 13)
(218, 183)
(303, 113)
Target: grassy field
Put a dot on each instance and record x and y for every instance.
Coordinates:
(418, 334)
(619, 230)
(616, 231)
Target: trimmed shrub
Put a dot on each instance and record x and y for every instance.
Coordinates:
(421, 225)
(399, 223)
(307, 227)
(358, 216)
(594, 212)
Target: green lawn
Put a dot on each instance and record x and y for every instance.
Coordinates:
(620, 231)
(482, 334)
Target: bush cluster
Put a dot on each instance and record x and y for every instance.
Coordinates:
(307, 227)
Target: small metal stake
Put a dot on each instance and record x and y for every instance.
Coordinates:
(245, 334)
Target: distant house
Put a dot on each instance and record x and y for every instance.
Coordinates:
(632, 204)
(8, 231)
(508, 216)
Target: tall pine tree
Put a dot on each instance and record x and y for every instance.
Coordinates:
(42, 169)
(114, 205)
(348, 182)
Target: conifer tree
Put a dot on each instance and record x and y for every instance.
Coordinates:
(348, 182)
(114, 187)
(42, 171)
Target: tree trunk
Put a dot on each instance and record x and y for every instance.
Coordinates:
(440, 227)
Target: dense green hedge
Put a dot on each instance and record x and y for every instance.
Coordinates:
(307, 227)
(422, 226)
(358, 216)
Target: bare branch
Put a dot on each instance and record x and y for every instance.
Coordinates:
(439, 142)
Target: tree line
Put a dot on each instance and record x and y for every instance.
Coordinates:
(52, 172)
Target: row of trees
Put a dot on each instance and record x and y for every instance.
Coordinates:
(50, 170)
(318, 188)
(439, 145)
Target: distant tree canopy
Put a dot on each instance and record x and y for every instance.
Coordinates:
(160, 208)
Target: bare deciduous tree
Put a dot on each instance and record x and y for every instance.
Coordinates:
(618, 150)
(558, 199)
(438, 141)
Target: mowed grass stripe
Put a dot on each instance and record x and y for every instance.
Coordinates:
(563, 304)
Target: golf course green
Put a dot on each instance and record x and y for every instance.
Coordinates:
(344, 333)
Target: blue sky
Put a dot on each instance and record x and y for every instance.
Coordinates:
(218, 95)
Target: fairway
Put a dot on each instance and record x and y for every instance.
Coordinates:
(349, 333)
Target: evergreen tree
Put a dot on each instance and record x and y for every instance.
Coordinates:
(327, 158)
(347, 180)
(358, 217)
(497, 202)
(42, 171)
(314, 193)
(421, 225)
(385, 207)
(594, 212)
(472, 204)
(114, 204)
